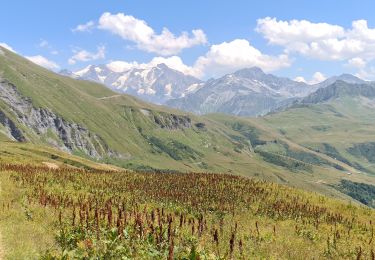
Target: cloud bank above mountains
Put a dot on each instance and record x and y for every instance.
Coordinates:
(353, 47)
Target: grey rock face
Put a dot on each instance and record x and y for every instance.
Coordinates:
(172, 121)
(67, 136)
(339, 89)
(11, 129)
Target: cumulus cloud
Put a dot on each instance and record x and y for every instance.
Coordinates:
(84, 55)
(237, 54)
(138, 31)
(356, 63)
(121, 66)
(366, 73)
(316, 78)
(300, 79)
(173, 62)
(220, 59)
(320, 40)
(6, 46)
(44, 62)
(86, 27)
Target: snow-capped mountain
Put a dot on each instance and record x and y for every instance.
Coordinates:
(156, 84)
(245, 92)
(250, 92)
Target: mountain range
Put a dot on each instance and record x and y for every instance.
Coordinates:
(247, 92)
(304, 145)
(155, 84)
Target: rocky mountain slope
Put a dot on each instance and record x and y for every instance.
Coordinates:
(250, 92)
(245, 92)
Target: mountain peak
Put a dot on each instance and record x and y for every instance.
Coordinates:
(162, 66)
(349, 78)
(250, 72)
(346, 77)
(339, 89)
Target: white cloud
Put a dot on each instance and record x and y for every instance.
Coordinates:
(121, 66)
(320, 40)
(316, 78)
(300, 79)
(42, 61)
(356, 63)
(237, 54)
(84, 27)
(43, 43)
(6, 46)
(138, 31)
(84, 55)
(220, 59)
(173, 62)
(366, 73)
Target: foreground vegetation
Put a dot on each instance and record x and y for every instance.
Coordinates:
(106, 214)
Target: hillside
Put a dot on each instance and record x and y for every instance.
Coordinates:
(337, 121)
(70, 213)
(87, 119)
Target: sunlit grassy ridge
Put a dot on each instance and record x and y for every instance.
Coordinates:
(109, 214)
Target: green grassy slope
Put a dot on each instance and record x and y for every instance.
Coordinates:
(147, 136)
(126, 124)
(75, 214)
(343, 128)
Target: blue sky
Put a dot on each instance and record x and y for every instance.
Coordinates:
(287, 38)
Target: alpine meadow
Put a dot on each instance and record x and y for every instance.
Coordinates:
(187, 130)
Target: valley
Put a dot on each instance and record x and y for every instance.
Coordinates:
(112, 175)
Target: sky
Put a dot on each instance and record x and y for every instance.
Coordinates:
(303, 40)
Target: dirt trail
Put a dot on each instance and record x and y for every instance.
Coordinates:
(102, 98)
(51, 165)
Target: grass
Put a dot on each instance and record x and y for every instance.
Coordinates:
(326, 128)
(25, 229)
(112, 214)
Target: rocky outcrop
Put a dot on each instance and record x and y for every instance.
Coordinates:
(11, 129)
(172, 121)
(52, 128)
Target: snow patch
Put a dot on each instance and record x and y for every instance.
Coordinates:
(102, 78)
(168, 89)
(83, 71)
(193, 87)
(150, 91)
